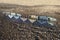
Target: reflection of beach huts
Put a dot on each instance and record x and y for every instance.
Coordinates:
(27, 21)
(32, 20)
(40, 23)
(19, 20)
(51, 23)
(43, 23)
(23, 19)
(35, 20)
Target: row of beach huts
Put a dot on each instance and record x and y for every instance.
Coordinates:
(34, 19)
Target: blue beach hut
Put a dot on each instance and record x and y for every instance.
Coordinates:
(42, 18)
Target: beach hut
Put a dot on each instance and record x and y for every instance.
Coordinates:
(52, 19)
(42, 18)
(19, 14)
(6, 12)
(33, 17)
